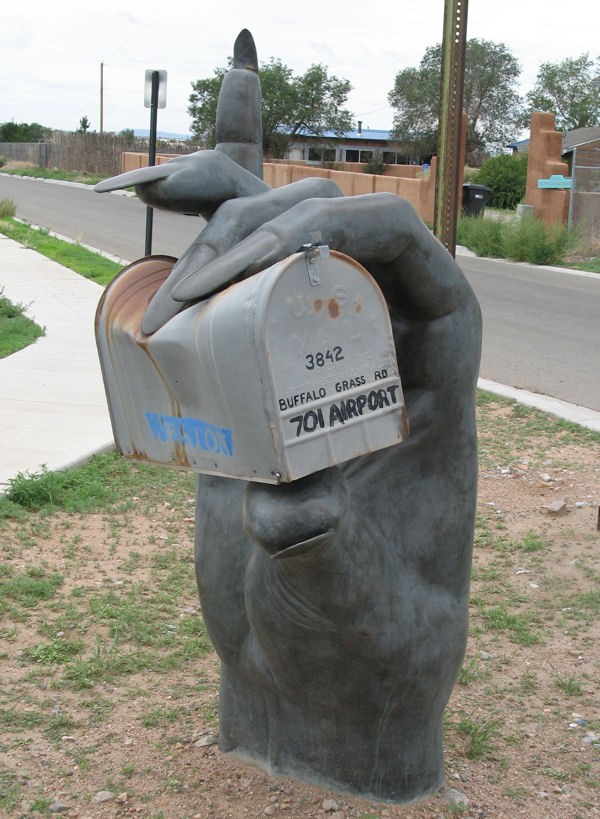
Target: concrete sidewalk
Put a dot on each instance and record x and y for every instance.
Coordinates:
(53, 409)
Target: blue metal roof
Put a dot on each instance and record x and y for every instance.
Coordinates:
(365, 135)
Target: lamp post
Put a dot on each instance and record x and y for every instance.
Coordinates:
(155, 97)
(101, 98)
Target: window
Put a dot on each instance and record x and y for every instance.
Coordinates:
(358, 155)
(321, 154)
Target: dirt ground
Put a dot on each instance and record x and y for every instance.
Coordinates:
(522, 727)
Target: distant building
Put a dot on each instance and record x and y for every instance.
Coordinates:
(362, 145)
(519, 147)
(588, 138)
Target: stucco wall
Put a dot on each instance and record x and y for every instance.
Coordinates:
(545, 146)
(420, 191)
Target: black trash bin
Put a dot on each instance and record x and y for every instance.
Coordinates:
(474, 198)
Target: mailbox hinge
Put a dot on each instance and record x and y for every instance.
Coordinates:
(312, 255)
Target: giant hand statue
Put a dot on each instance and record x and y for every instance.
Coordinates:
(338, 603)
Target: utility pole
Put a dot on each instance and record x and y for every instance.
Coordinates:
(101, 98)
(450, 136)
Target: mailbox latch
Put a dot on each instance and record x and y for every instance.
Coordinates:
(312, 255)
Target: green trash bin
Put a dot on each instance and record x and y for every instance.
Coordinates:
(474, 199)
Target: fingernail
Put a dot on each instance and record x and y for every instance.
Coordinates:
(158, 313)
(219, 273)
(140, 176)
(244, 51)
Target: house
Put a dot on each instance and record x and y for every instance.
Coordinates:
(519, 147)
(579, 140)
(588, 138)
(362, 145)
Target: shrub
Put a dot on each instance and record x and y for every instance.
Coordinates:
(506, 177)
(7, 208)
(3, 161)
(375, 165)
(522, 240)
(482, 236)
(531, 240)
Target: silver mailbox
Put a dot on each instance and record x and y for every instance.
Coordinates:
(278, 376)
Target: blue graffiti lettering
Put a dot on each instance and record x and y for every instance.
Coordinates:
(191, 432)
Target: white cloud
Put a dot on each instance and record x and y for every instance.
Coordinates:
(15, 33)
(52, 52)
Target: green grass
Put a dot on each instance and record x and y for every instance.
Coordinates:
(134, 630)
(73, 256)
(55, 173)
(517, 626)
(11, 792)
(532, 543)
(161, 716)
(523, 429)
(100, 484)
(569, 685)
(74, 491)
(16, 329)
(583, 607)
(26, 589)
(528, 683)
(468, 673)
(56, 652)
(589, 265)
(14, 719)
(102, 633)
(150, 646)
(478, 736)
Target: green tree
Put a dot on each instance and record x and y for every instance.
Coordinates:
(311, 103)
(128, 136)
(506, 176)
(566, 90)
(84, 125)
(415, 96)
(23, 132)
(492, 105)
(203, 105)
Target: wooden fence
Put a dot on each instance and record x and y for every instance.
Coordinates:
(98, 154)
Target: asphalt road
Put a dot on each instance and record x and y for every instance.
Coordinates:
(541, 325)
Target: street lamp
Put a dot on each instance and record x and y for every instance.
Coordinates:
(155, 97)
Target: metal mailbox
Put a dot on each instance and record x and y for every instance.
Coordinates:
(278, 376)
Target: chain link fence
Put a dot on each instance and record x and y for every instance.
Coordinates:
(584, 208)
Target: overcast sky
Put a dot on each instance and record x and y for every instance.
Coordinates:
(52, 51)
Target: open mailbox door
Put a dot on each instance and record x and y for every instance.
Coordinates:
(278, 376)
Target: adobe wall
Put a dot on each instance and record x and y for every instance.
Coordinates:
(419, 190)
(545, 147)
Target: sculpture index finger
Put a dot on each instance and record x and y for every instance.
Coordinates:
(239, 111)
